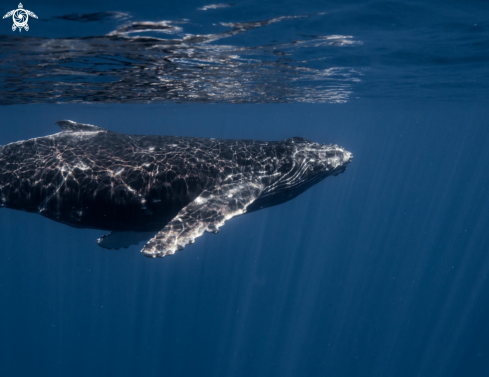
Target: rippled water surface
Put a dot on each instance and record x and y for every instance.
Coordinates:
(248, 53)
(380, 271)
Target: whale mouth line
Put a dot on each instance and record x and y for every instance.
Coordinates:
(287, 181)
(292, 183)
(295, 178)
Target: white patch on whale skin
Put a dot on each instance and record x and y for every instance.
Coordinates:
(118, 171)
(200, 200)
(80, 165)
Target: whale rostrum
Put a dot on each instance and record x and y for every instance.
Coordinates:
(165, 189)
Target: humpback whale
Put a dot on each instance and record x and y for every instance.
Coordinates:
(165, 190)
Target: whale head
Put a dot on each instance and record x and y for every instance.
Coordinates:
(301, 164)
(313, 160)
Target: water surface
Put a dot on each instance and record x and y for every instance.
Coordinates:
(380, 271)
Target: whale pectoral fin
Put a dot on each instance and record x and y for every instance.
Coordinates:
(206, 213)
(117, 240)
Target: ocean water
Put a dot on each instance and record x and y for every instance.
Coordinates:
(380, 271)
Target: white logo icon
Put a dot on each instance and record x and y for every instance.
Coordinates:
(20, 17)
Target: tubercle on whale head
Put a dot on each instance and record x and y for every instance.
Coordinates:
(319, 158)
(301, 165)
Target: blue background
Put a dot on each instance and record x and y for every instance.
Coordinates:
(380, 271)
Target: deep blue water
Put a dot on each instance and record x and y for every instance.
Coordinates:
(380, 271)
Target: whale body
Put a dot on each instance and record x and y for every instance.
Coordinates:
(165, 189)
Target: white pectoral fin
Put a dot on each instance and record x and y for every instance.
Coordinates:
(207, 213)
(9, 14)
(31, 14)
